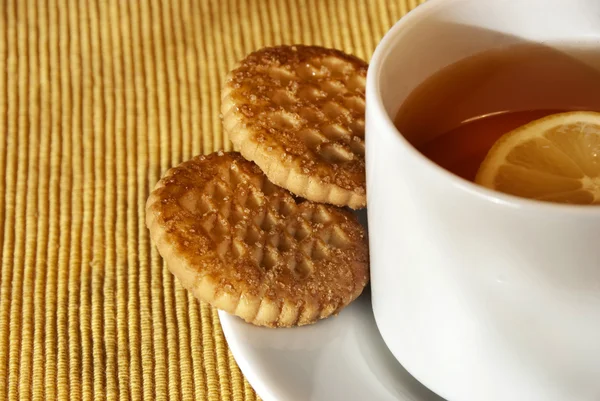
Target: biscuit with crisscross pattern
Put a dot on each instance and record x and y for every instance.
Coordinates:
(298, 113)
(250, 248)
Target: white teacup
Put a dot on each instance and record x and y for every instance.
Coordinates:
(481, 296)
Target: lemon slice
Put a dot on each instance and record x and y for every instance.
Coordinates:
(555, 159)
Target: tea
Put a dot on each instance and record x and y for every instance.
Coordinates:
(455, 116)
(462, 149)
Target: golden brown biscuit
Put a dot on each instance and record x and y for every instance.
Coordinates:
(298, 113)
(246, 246)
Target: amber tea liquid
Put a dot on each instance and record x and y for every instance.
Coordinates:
(455, 116)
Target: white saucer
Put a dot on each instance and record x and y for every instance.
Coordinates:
(340, 358)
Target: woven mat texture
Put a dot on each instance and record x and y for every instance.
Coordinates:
(98, 99)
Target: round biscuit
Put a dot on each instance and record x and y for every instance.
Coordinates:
(248, 247)
(298, 113)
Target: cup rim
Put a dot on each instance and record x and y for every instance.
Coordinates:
(375, 103)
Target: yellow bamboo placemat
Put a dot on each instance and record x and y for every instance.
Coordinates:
(97, 99)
